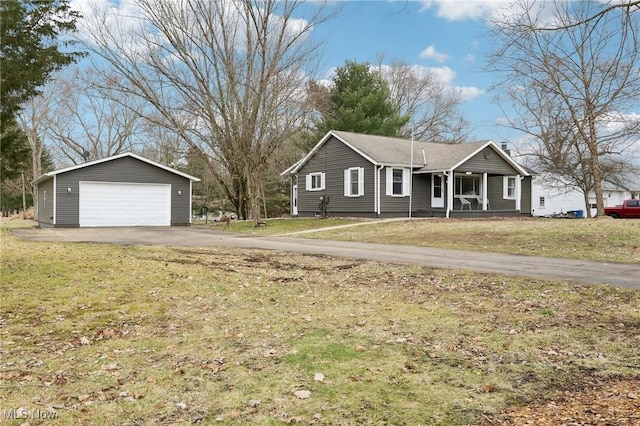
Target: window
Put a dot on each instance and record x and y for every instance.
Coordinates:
(541, 201)
(354, 182)
(437, 186)
(315, 181)
(465, 185)
(398, 182)
(509, 188)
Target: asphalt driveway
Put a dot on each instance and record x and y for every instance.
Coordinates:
(614, 274)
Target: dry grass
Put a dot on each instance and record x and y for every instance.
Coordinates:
(605, 240)
(103, 334)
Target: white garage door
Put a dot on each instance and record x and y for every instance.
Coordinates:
(124, 204)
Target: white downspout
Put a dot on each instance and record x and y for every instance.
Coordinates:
(54, 199)
(377, 191)
(519, 192)
(191, 200)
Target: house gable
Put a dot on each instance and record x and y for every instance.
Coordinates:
(332, 158)
(489, 158)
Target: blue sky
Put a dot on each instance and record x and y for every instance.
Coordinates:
(446, 36)
(440, 34)
(407, 32)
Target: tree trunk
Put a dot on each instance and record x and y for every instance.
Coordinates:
(24, 199)
(587, 204)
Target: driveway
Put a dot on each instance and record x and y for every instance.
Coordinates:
(614, 274)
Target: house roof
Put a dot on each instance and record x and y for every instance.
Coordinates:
(47, 175)
(427, 156)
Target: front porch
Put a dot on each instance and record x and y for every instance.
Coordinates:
(455, 193)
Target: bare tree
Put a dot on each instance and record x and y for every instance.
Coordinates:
(227, 77)
(433, 106)
(569, 85)
(91, 119)
(35, 120)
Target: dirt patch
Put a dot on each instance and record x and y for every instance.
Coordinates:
(600, 403)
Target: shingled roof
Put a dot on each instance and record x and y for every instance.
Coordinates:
(396, 152)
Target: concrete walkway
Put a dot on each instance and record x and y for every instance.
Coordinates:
(619, 275)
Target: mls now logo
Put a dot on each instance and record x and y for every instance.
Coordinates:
(25, 413)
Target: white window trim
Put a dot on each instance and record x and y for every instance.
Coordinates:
(309, 180)
(505, 187)
(406, 184)
(347, 182)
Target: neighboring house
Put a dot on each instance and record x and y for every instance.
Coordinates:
(123, 190)
(551, 195)
(350, 174)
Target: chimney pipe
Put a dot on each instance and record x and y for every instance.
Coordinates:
(504, 148)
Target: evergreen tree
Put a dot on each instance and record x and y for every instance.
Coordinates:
(358, 101)
(30, 50)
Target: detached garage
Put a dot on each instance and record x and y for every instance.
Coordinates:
(123, 190)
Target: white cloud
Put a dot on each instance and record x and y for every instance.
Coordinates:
(456, 10)
(431, 53)
(446, 76)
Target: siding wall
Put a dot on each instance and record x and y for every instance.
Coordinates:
(332, 159)
(124, 169)
(525, 207)
(493, 164)
(45, 203)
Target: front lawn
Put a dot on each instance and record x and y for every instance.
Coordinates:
(104, 334)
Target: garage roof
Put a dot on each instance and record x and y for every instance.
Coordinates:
(114, 157)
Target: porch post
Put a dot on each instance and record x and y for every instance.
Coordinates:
(484, 191)
(450, 188)
(518, 193)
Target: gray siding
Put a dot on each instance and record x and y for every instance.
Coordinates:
(332, 159)
(399, 206)
(125, 169)
(525, 207)
(494, 164)
(45, 202)
(495, 190)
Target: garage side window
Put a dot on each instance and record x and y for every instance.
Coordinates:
(354, 182)
(315, 181)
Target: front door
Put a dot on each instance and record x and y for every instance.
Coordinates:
(437, 192)
(294, 201)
